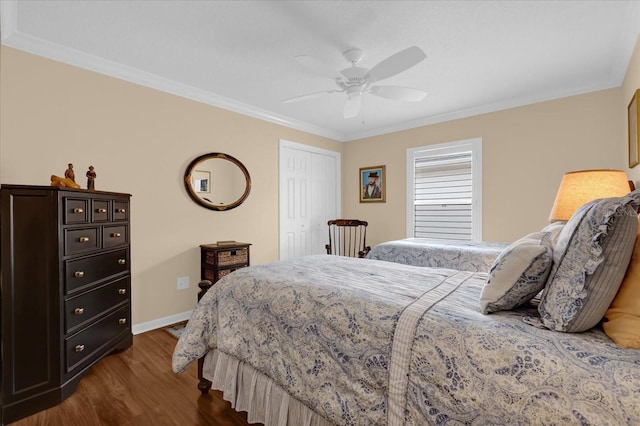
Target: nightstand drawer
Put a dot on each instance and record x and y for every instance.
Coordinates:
(93, 339)
(228, 257)
(80, 240)
(86, 307)
(113, 236)
(83, 272)
(213, 275)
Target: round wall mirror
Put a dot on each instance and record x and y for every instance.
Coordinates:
(217, 181)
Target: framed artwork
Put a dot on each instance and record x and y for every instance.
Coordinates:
(634, 138)
(372, 184)
(201, 181)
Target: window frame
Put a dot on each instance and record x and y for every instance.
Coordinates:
(475, 146)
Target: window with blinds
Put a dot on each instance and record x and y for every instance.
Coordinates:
(443, 191)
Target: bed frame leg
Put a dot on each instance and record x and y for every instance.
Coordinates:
(203, 384)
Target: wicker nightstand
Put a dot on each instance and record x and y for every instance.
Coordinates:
(218, 260)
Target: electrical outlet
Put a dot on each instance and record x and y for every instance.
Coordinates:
(182, 283)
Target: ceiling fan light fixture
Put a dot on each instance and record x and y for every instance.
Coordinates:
(354, 91)
(357, 81)
(353, 55)
(354, 73)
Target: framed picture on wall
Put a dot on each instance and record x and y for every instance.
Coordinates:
(634, 138)
(372, 184)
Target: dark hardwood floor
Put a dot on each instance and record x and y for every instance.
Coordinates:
(137, 387)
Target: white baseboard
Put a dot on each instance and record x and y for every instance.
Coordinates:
(160, 322)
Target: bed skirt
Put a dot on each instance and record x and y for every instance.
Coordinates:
(249, 390)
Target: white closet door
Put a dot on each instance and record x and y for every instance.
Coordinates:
(309, 196)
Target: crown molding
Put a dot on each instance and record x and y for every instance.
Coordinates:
(484, 109)
(11, 37)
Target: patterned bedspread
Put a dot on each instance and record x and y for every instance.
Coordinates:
(365, 342)
(460, 255)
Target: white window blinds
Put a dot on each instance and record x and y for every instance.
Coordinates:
(443, 196)
(444, 191)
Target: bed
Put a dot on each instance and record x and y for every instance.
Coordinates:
(461, 255)
(324, 340)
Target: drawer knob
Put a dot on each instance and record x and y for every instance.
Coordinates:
(78, 210)
(78, 274)
(120, 210)
(84, 239)
(79, 348)
(116, 235)
(122, 321)
(101, 210)
(122, 291)
(78, 311)
(121, 261)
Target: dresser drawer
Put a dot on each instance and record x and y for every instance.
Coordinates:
(90, 341)
(120, 210)
(228, 257)
(113, 236)
(86, 307)
(80, 240)
(100, 210)
(76, 210)
(83, 272)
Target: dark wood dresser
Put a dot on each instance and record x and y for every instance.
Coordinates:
(218, 260)
(65, 282)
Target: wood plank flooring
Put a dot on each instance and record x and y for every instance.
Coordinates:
(137, 387)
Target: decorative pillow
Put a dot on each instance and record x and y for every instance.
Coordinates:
(622, 323)
(518, 274)
(589, 262)
(554, 229)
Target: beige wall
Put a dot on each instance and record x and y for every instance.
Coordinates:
(140, 141)
(525, 152)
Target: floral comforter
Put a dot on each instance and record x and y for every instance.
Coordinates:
(366, 342)
(460, 255)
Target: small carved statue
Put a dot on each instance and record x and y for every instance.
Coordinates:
(91, 177)
(69, 173)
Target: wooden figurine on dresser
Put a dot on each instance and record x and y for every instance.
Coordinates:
(91, 177)
(65, 290)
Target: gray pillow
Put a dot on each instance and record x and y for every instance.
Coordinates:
(518, 274)
(589, 262)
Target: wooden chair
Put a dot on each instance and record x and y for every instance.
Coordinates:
(348, 237)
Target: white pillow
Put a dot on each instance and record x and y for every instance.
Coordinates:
(518, 274)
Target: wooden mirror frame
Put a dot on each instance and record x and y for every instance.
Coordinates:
(198, 200)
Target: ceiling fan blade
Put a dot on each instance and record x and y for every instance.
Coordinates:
(399, 93)
(307, 96)
(352, 106)
(397, 63)
(317, 67)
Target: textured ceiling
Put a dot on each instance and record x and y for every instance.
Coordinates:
(481, 55)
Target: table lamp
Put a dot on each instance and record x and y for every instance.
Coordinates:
(582, 186)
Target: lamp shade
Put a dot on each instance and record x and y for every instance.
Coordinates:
(580, 187)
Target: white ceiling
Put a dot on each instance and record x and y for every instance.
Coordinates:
(482, 56)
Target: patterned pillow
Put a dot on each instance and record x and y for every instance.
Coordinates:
(518, 274)
(554, 230)
(622, 323)
(589, 261)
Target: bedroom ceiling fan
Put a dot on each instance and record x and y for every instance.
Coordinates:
(357, 81)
